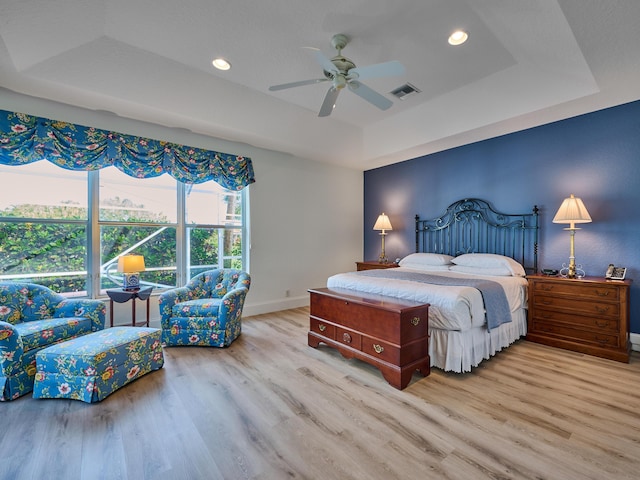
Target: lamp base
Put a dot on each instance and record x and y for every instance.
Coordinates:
(572, 271)
(130, 281)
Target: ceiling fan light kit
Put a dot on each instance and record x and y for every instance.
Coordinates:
(342, 72)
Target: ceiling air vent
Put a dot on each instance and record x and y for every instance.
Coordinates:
(404, 91)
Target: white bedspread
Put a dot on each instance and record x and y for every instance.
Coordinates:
(452, 307)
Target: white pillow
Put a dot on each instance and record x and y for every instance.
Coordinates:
(426, 259)
(427, 268)
(490, 260)
(495, 271)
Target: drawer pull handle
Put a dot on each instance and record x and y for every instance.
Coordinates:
(546, 288)
(602, 293)
(415, 321)
(322, 327)
(378, 348)
(602, 324)
(602, 309)
(346, 338)
(602, 341)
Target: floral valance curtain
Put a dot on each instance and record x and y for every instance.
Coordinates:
(26, 139)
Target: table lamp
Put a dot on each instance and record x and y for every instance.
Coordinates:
(130, 266)
(383, 224)
(572, 211)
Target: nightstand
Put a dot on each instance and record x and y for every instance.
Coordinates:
(374, 265)
(588, 315)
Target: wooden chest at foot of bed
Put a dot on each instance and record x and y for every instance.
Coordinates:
(388, 333)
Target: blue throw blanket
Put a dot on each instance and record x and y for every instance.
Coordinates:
(495, 300)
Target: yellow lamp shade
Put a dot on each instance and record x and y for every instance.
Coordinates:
(131, 264)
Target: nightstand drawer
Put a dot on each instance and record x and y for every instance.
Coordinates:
(610, 325)
(601, 292)
(585, 307)
(601, 339)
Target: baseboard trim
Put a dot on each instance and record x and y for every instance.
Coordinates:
(274, 305)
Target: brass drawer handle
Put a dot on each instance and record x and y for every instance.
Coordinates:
(415, 321)
(378, 348)
(322, 328)
(601, 309)
(602, 341)
(546, 288)
(602, 293)
(346, 338)
(602, 324)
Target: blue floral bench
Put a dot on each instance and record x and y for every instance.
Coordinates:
(33, 317)
(91, 367)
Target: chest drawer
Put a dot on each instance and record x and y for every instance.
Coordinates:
(349, 337)
(567, 288)
(596, 323)
(566, 332)
(321, 327)
(582, 306)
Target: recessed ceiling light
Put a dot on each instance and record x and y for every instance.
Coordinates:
(458, 37)
(221, 64)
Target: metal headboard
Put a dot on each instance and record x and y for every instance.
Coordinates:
(473, 226)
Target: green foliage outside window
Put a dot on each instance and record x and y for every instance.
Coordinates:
(55, 246)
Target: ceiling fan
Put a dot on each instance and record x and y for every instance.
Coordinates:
(342, 72)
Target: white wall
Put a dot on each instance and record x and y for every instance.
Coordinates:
(305, 216)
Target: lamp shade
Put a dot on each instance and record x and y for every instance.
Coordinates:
(572, 211)
(130, 263)
(382, 223)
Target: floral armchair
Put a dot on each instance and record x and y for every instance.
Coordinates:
(206, 311)
(33, 317)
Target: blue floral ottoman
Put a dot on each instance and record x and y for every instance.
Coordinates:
(91, 367)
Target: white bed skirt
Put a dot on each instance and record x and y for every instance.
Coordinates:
(457, 351)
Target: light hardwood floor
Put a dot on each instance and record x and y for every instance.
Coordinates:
(270, 407)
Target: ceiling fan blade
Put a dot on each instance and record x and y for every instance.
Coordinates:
(326, 64)
(329, 102)
(387, 69)
(370, 95)
(301, 83)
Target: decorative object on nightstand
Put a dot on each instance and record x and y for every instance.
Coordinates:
(130, 266)
(383, 224)
(572, 211)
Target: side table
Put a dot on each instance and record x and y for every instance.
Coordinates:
(120, 295)
(374, 265)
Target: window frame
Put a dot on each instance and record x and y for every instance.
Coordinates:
(93, 226)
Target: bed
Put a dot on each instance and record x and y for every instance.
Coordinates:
(462, 261)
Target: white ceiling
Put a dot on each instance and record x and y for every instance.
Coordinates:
(526, 63)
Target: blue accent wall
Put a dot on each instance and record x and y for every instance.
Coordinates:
(594, 156)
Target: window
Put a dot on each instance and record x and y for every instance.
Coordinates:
(43, 226)
(53, 220)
